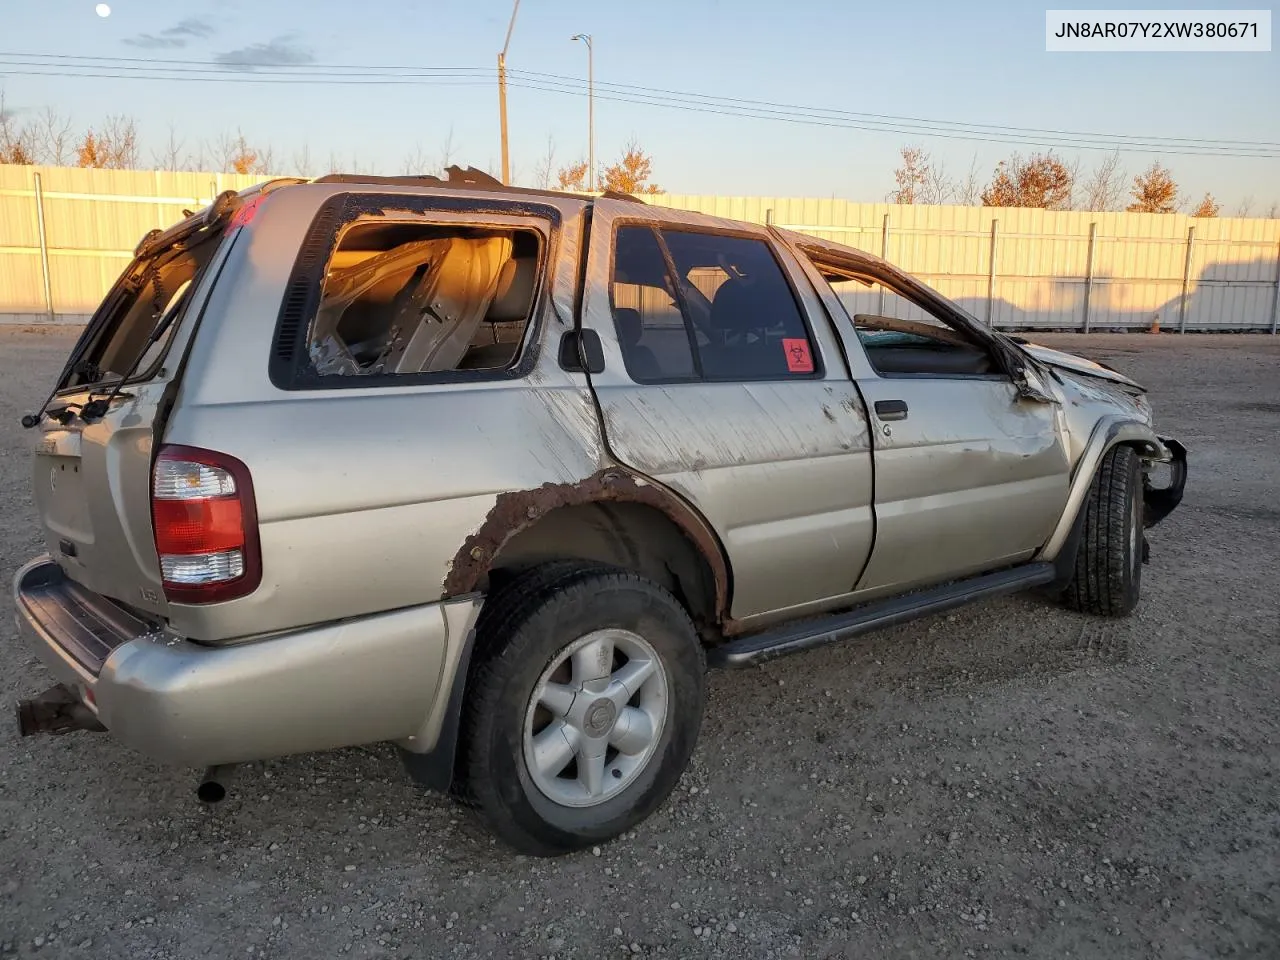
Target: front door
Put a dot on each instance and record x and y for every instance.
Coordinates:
(970, 475)
(723, 381)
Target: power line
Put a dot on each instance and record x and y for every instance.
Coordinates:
(325, 74)
(897, 119)
(1262, 151)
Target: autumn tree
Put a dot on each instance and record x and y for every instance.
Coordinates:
(114, 144)
(17, 143)
(1041, 180)
(1103, 189)
(909, 176)
(631, 173)
(1154, 191)
(573, 177)
(920, 179)
(235, 154)
(1208, 207)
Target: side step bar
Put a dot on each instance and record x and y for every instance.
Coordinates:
(794, 637)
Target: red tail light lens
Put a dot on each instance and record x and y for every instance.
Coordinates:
(205, 524)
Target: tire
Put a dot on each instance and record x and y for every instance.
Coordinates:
(632, 745)
(1108, 573)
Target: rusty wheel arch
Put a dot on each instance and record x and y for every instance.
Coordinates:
(516, 511)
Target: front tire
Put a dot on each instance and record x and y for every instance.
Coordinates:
(1108, 573)
(583, 706)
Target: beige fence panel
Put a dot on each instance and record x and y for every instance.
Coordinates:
(1013, 268)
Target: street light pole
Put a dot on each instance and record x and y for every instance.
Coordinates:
(502, 95)
(591, 111)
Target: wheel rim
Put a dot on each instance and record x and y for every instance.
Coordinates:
(595, 718)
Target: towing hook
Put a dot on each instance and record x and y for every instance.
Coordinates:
(56, 711)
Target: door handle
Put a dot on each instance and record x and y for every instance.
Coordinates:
(891, 409)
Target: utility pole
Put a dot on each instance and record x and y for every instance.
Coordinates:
(591, 112)
(502, 95)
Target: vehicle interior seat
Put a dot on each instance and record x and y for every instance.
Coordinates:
(641, 361)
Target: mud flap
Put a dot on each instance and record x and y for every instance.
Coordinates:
(1159, 502)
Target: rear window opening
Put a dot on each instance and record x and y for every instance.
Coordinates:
(158, 293)
(413, 298)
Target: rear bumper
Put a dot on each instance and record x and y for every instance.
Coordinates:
(366, 680)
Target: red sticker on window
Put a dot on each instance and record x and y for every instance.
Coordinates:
(798, 358)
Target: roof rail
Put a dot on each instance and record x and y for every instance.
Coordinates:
(470, 178)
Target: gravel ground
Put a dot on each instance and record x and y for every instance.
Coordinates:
(1012, 779)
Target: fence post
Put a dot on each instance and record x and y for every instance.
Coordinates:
(991, 272)
(1088, 273)
(768, 217)
(1186, 279)
(1275, 306)
(44, 246)
(884, 255)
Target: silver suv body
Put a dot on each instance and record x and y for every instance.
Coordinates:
(490, 474)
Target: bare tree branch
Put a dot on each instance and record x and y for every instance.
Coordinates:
(53, 140)
(1105, 186)
(301, 161)
(545, 169)
(169, 156)
(969, 190)
(417, 163)
(446, 150)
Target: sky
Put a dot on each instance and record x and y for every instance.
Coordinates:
(976, 64)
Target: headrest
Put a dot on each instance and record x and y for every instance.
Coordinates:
(630, 325)
(733, 299)
(514, 296)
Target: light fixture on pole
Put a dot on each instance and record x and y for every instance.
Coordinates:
(502, 95)
(591, 112)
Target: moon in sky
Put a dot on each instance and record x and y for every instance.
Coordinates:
(102, 10)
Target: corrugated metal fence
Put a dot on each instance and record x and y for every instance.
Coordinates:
(65, 234)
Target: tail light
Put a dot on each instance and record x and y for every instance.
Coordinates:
(206, 526)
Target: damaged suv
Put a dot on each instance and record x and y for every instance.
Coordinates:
(493, 474)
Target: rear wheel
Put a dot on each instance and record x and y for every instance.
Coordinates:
(584, 705)
(1108, 574)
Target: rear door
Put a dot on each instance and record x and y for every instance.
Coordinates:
(723, 380)
(92, 473)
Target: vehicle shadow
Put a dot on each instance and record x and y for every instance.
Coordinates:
(1225, 296)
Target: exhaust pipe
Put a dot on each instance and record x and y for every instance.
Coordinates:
(56, 711)
(213, 785)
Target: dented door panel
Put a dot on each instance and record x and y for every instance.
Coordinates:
(780, 469)
(973, 478)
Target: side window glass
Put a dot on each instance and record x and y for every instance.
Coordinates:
(646, 312)
(742, 315)
(875, 308)
(901, 337)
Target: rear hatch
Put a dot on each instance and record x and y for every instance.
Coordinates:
(93, 459)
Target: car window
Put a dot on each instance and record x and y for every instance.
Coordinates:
(901, 337)
(651, 329)
(727, 313)
(411, 298)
